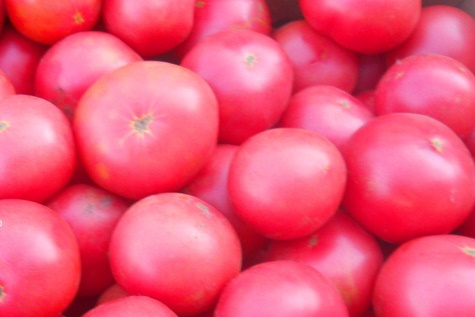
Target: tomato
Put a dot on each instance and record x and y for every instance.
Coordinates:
(435, 270)
(343, 252)
(286, 182)
(40, 260)
(328, 111)
(409, 175)
(435, 85)
(112, 292)
(132, 306)
(280, 289)
(47, 21)
(19, 58)
(251, 76)
(92, 214)
(145, 128)
(39, 155)
(64, 72)
(284, 11)
(347, 22)
(211, 185)
(177, 249)
(213, 16)
(149, 27)
(6, 86)
(443, 30)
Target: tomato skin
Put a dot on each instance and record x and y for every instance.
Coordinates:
(160, 116)
(149, 27)
(435, 85)
(6, 86)
(437, 270)
(317, 60)
(39, 151)
(286, 182)
(64, 72)
(40, 260)
(390, 25)
(131, 306)
(409, 175)
(46, 21)
(251, 76)
(180, 241)
(280, 289)
(112, 292)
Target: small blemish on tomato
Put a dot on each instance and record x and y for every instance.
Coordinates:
(78, 18)
(2, 293)
(469, 251)
(200, 3)
(4, 125)
(399, 75)
(313, 241)
(437, 144)
(344, 104)
(205, 210)
(250, 60)
(141, 125)
(102, 171)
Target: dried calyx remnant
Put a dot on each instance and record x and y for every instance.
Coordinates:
(4, 126)
(141, 125)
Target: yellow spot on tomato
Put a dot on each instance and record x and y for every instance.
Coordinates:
(200, 4)
(78, 18)
(469, 251)
(4, 125)
(437, 144)
(250, 60)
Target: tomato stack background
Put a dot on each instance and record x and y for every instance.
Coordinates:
(237, 158)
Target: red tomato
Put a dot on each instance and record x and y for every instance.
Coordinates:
(177, 249)
(348, 23)
(92, 213)
(65, 72)
(211, 185)
(286, 182)
(317, 60)
(112, 292)
(131, 306)
(213, 16)
(280, 289)
(443, 30)
(435, 85)
(40, 260)
(37, 146)
(46, 21)
(251, 76)
(328, 111)
(429, 276)
(343, 252)
(6, 86)
(145, 128)
(149, 27)
(19, 58)
(409, 175)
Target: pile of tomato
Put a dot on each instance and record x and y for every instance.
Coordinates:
(237, 158)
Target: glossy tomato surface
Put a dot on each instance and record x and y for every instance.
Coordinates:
(132, 306)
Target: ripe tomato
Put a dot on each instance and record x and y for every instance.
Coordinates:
(38, 151)
(149, 27)
(65, 72)
(286, 182)
(6, 86)
(409, 175)
(177, 249)
(40, 260)
(145, 128)
(251, 76)
(47, 21)
(369, 26)
(112, 292)
(317, 60)
(429, 276)
(131, 306)
(280, 289)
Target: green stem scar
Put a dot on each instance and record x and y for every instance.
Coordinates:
(4, 125)
(141, 125)
(469, 251)
(250, 60)
(2, 292)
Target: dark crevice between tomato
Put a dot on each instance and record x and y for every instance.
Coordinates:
(4, 126)
(141, 125)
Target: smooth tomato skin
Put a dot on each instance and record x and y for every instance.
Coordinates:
(92, 214)
(434, 85)
(280, 289)
(436, 270)
(131, 306)
(343, 252)
(39, 155)
(347, 23)
(46, 21)
(213, 16)
(160, 116)
(6, 86)
(317, 60)
(409, 175)
(251, 76)
(149, 27)
(65, 72)
(19, 58)
(112, 292)
(443, 30)
(211, 185)
(286, 182)
(328, 111)
(40, 260)
(175, 248)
